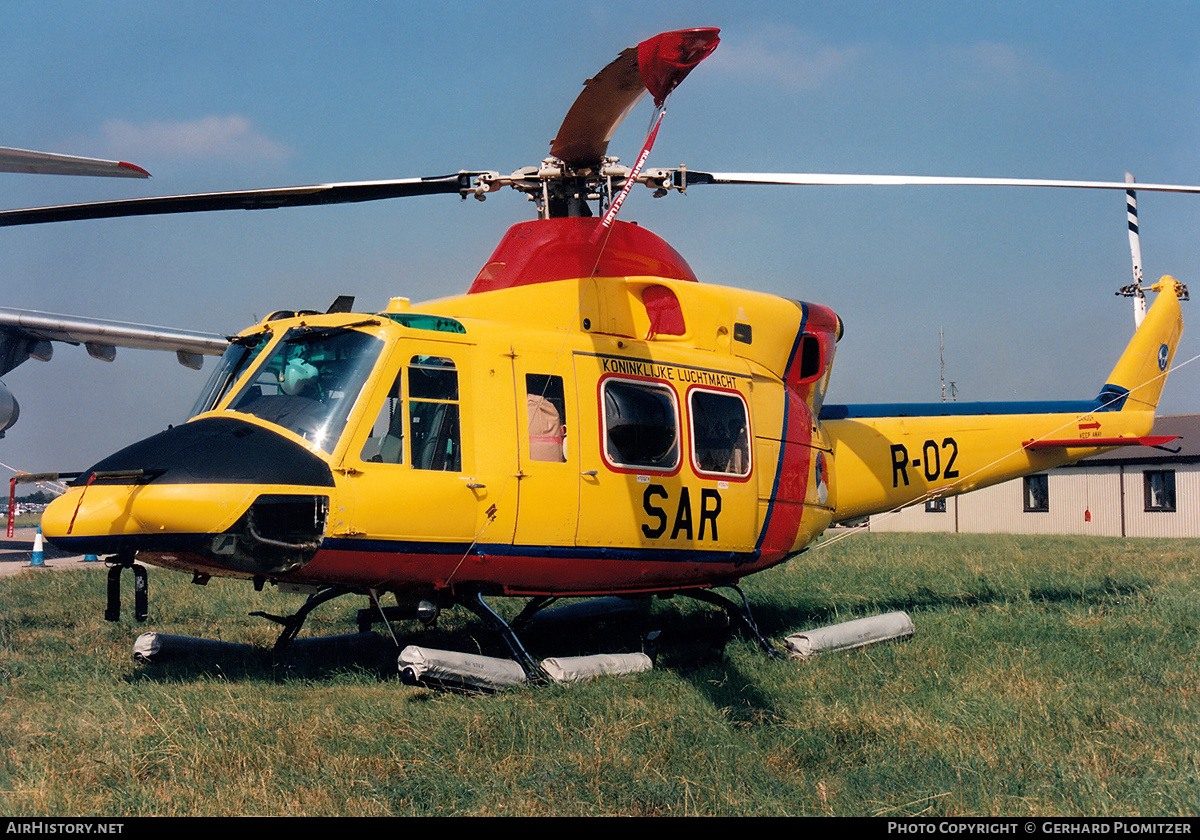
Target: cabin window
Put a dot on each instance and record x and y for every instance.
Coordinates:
(641, 425)
(433, 414)
(310, 382)
(1159, 488)
(810, 357)
(720, 433)
(546, 410)
(385, 445)
(1037, 493)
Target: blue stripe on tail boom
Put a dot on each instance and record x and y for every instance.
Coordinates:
(1111, 399)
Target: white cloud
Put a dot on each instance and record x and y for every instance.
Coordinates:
(795, 60)
(993, 65)
(997, 58)
(231, 137)
(787, 57)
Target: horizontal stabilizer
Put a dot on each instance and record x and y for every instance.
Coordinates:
(1150, 440)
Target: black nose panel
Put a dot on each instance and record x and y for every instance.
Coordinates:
(217, 450)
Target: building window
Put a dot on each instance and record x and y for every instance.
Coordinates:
(935, 506)
(1037, 493)
(1159, 486)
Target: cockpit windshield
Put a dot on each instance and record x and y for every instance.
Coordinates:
(310, 381)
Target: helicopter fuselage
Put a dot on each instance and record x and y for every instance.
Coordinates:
(555, 433)
(596, 435)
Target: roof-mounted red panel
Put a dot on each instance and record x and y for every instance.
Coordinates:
(545, 250)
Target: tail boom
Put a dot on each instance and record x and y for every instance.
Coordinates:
(887, 457)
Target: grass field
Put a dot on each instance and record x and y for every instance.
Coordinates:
(1047, 676)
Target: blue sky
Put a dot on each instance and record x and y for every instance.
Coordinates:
(212, 96)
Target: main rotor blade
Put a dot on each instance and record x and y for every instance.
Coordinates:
(47, 163)
(604, 103)
(665, 60)
(340, 193)
(658, 64)
(681, 178)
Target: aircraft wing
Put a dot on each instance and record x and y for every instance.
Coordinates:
(26, 332)
(45, 163)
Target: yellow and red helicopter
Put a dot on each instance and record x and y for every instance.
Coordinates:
(587, 420)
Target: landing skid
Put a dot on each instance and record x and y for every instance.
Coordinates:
(740, 612)
(476, 604)
(293, 623)
(523, 665)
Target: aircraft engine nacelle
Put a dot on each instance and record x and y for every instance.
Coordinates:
(9, 410)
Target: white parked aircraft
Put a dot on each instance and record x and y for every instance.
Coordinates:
(27, 334)
(45, 163)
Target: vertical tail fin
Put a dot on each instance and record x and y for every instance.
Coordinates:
(1137, 381)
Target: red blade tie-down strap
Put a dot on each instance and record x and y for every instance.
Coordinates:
(78, 504)
(663, 62)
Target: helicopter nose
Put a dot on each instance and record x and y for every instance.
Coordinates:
(219, 494)
(118, 516)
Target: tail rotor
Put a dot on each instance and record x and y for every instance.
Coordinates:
(1134, 289)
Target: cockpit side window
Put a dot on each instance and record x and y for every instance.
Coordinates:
(641, 425)
(385, 445)
(434, 431)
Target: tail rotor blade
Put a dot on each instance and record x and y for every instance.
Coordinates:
(1135, 251)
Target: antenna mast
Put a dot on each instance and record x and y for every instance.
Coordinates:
(942, 360)
(942, 363)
